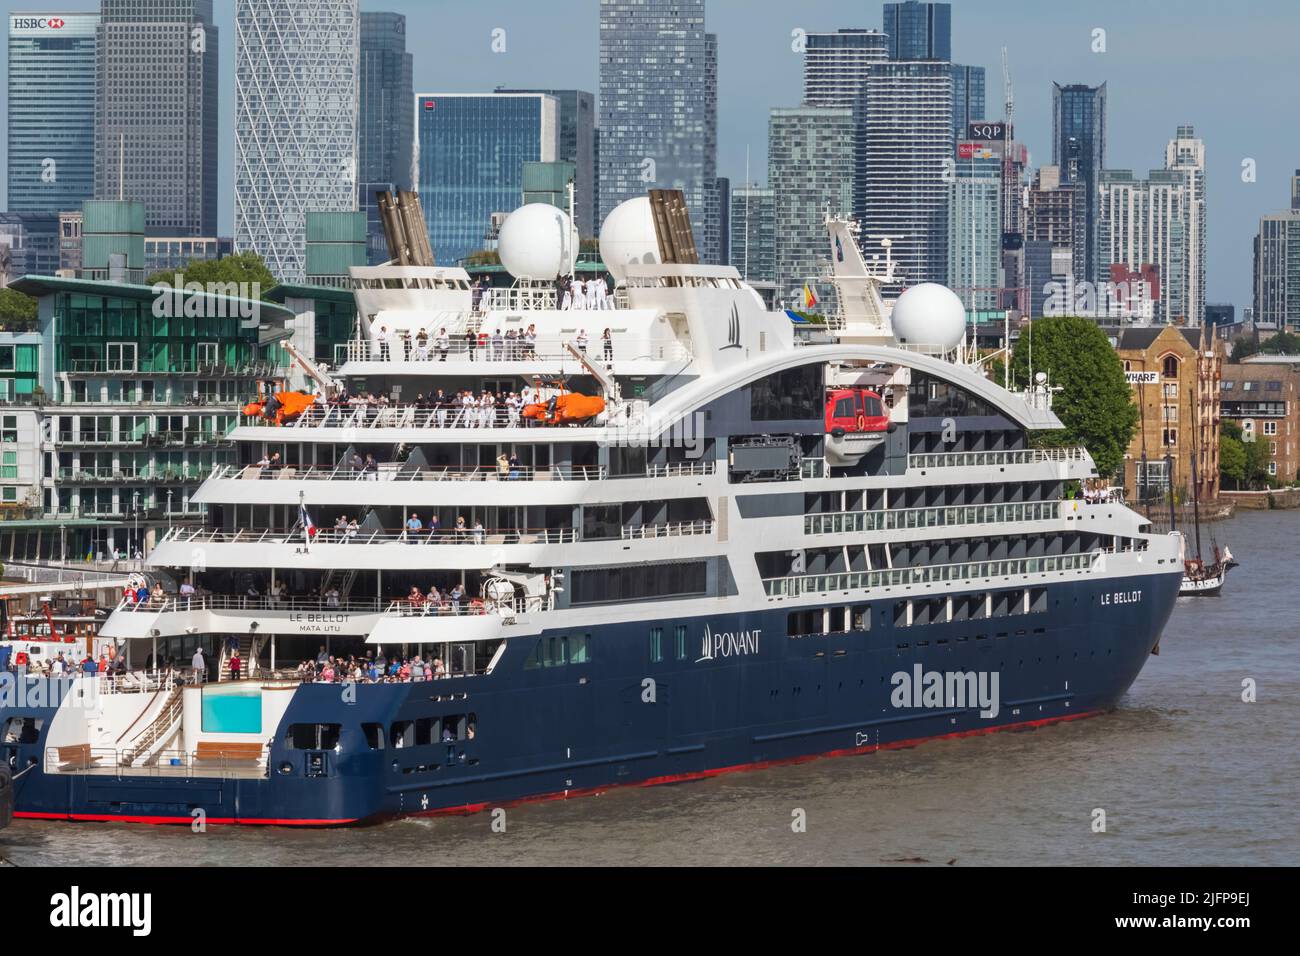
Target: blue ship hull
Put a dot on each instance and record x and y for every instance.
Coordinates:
(625, 719)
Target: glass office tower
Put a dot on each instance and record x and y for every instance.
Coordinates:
(296, 95)
(659, 108)
(472, 150)
(51, 144)
(1079, 149)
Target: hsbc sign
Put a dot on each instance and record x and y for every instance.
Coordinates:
(37, 23)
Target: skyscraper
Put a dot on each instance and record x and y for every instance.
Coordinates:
(296, 94)
(835, 65)
(919, 31)
(156, 112)
(577, 145)
(1160, 222)
(385, 121)
(1277, 267)
(659, 108)
(1185, 154)
(967, 98)
(1079, 149)
(904, 151)
(975, 230)
(51, 145)
(472, 148)
(1143, 242)
(753, 233)
(810, 170)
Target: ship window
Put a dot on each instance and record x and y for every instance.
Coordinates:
(793, 395)
(424, 731)
(313, 736)
(22, 730)
(844, 408)
(656, 645)
(637, 582)
(804, 623)
(374, 734)
(861, 615)
(580, 649)
(402, 734)
(679, 638)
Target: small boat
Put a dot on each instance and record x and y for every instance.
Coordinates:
(1205, 580)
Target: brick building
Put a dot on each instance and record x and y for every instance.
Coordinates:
(1263, 397)
(1175, 375)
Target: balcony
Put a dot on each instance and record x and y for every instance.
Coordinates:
(967, 572)
(975, 459)
(393, 471)
(902, 519)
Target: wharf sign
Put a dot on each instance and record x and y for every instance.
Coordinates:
(1142, 378)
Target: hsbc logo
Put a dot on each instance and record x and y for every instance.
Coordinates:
(38, 23)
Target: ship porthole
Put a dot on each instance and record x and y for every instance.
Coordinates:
(286, 768)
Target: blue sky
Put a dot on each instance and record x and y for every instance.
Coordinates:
(1229, 68)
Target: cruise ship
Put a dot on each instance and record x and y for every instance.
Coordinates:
(685, 535)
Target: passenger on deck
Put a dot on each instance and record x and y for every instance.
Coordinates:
(443, 344)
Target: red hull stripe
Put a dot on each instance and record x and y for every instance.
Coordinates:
(567, 794)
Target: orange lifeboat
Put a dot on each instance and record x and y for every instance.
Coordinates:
(567, 408)
(286, 405)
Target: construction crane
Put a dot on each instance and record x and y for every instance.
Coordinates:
(1011, 236)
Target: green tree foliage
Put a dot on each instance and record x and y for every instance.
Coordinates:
(1232, 455)
(1284, 343)
(17, 311)
(243, 267)
(1095, 405)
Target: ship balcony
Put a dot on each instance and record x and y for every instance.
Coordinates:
(999, 459)
(445, 623)
(400, 549)
(176, 615)
(358, 415)
(907, 519)
(926, 577)
(515, 356)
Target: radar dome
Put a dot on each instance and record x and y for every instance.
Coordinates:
(536, 242)
(929, 314)
(628, 236)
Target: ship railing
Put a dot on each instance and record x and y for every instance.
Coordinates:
(1020, 456)
(130, 762)
(412, 416)
(363, 536)
(405, 607)
(901, 519)
(799, 584)
(132, 682)
(396, 471)
(671, 529)
(183, 604)
(442, 536)
(400, 351)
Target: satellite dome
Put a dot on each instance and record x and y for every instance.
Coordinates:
(536, 242)
(929, 314)
(628, 236)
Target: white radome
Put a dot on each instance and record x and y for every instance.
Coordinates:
(929, 314)
(628, 236)
(536, 242)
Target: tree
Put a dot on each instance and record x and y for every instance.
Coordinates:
(1095, 405)
(1232, 454)
(243, 268)
(17, 311)
(1259, 453)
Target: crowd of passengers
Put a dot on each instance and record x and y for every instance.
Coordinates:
(463, 409)
(491, 345)
(371, 669)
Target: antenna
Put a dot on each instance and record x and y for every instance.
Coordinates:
(748, 187)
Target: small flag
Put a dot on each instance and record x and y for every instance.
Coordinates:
(308, 529)
(809, 297)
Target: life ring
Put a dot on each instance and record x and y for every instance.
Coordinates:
(862, 423)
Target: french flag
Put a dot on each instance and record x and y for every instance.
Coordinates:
(308, 529)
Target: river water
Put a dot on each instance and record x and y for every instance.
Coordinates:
(1186, 772)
